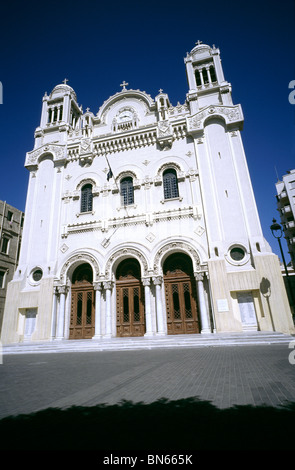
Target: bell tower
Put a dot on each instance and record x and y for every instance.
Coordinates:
(207, 85)
(60, 113)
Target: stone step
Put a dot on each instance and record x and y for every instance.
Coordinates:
(176, 341)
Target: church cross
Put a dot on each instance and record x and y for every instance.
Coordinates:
(65, 81)
(123, 85)
(199, 42)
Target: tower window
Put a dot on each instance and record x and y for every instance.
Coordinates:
(198, 78)
(127, 191)
(170, 184)
(86, 198)
(213, 74)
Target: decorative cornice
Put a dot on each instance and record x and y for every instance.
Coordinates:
(126, 141)
(147, 219)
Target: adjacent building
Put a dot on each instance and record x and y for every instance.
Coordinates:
(286, 207)
(11, 225)
(141, 219)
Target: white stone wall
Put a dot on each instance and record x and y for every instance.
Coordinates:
(215, 210)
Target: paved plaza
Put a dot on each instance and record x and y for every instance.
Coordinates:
(245, 377)
(225, 376)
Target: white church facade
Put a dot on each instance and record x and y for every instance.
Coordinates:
(141, 220)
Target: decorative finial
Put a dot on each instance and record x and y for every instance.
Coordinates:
(199, 42)
(160, 91)
(123, 85)
(65, 81)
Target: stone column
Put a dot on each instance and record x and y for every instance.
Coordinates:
(54, 313)
(160, 320)
(209, 75)
(44, 115)
(108, 288)
(201, 76)
(66, 108)
(190, 75)
(205, 324)
(148, 315)
(98, 289)
(61, 313)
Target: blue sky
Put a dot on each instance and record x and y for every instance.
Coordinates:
(97, 45)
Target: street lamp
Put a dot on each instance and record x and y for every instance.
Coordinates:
(277, 232)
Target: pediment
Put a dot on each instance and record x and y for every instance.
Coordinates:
(137, 104)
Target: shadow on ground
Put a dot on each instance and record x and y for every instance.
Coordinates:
(163, 425)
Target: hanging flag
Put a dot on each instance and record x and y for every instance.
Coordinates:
(109, 173)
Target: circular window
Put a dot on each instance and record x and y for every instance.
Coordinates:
(37, 275)
(237, 253)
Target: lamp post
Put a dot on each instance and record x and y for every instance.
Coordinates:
(277, 232)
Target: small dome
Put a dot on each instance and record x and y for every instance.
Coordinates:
(63, 88)
(200, 47)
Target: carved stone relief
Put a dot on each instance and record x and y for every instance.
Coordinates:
(181, 246)
(129, 252)
(79, 257)
(58, 152)
(231, 114)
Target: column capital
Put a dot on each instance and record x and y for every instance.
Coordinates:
(146, 281)
(200, 276)
(107, 285)
(62, 289)
(157, 280)
(97, 286)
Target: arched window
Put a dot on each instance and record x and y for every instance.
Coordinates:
(170, 184)
(86, 198)
(127, 191)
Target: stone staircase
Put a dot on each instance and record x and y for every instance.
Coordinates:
(148, 343)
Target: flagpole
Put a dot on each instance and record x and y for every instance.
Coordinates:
(110, 174)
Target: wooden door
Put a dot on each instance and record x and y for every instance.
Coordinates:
(130, 309)
(180, 293)
(82, 322)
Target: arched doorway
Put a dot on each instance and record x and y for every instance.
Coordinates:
(130, 299)
(180, 295)
(82, 322)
